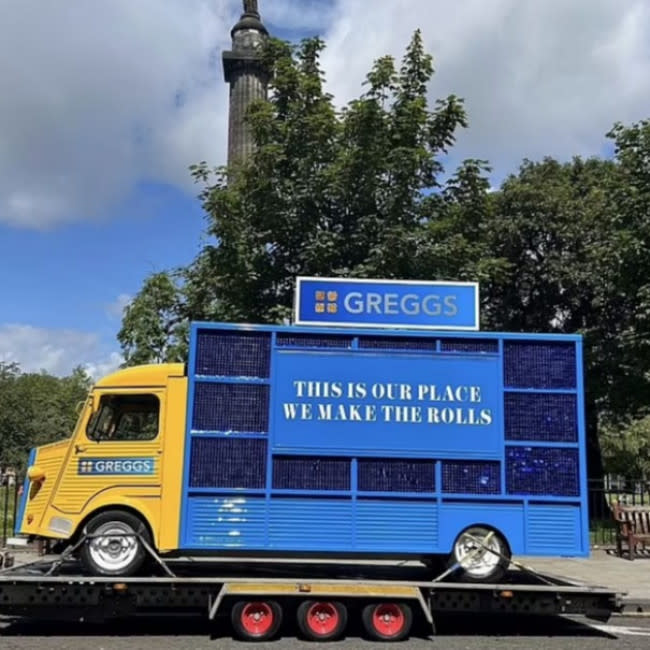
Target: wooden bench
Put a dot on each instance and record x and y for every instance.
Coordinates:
(633, 527)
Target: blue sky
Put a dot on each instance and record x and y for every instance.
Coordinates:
(94, 188)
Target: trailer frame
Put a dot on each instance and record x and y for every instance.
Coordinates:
(35, 591)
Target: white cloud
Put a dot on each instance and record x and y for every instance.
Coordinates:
(539, 78)
(56, 351)
(104, 366)
(88, 101)
(89, 88)
(115, 309)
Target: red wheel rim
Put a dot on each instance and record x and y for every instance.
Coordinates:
(388, 619)
(257, 618)
(322, 618)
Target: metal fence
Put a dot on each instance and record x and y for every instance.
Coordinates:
(602, 495)
(10, 488)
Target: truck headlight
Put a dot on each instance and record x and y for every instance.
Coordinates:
(36, 473)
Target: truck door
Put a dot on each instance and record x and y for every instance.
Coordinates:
(119, 453)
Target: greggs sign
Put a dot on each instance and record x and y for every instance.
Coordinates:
(406, 304)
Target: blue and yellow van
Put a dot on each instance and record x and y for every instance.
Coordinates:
(292, 441)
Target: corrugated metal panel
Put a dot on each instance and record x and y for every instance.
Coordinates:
(310, 524)
(76, 489)
(40, 493)
(407, 526)
(553, 530)
(225, 522)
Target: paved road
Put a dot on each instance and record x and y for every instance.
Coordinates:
(462, 634)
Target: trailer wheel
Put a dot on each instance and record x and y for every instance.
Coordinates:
(480, 565)
(322, 620)
(256, 620)
(113, 547)
(387, 621)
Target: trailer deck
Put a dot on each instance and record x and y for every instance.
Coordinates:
(221, 589)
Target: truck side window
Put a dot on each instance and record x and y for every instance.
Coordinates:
(125, 417)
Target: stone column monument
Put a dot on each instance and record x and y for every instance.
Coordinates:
(248, 80)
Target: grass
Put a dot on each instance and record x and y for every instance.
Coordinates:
(602, 532)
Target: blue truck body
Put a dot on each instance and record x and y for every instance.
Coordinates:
(353, 441)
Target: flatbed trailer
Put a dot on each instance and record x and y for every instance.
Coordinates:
(320, 598)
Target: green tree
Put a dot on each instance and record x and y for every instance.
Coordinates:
(560, 247)
(152, 329)
(350, 193)
(625, 413)
(550, 226)
(626, 448)
(573, 241)
(36, 408)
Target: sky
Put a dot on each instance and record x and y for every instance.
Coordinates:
(104, 105)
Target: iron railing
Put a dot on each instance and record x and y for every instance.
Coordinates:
(602, 496)
(10, 488)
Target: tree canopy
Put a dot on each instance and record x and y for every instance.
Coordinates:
(36, 408)
(358, 192)
(363, 192)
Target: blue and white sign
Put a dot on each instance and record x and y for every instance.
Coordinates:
(387, 303)
(434, 406)
(116, 466)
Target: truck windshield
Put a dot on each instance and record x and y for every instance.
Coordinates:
(125, 417)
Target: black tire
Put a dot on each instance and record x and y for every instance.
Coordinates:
(387, 621)
(248, 627)
(122, 524)
(322, 620)
(493, 569)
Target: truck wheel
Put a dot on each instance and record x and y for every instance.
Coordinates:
(480, 565)
(256, 620)
(387, 621)
(113, 547)
(322, 620)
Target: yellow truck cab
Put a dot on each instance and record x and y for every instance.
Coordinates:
(111, 478)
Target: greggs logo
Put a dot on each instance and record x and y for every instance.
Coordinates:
(116, 466)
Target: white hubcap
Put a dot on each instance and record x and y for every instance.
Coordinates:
(476, 558)
(113, 546)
